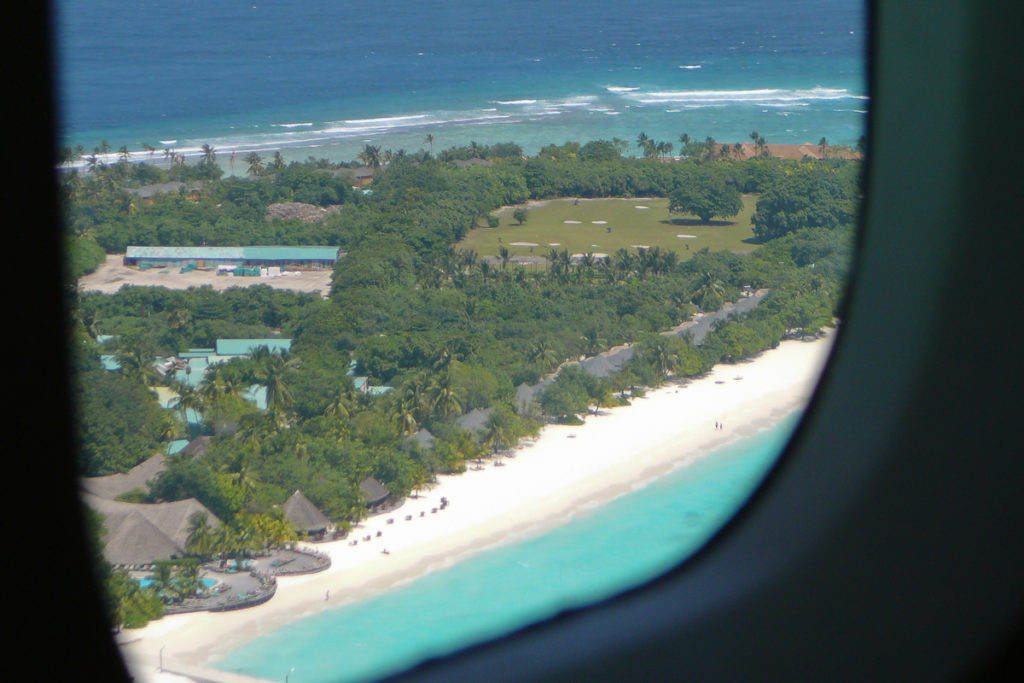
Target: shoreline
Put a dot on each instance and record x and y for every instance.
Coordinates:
(566, 470)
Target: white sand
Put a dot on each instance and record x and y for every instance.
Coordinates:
(572, 222)
(613, 453)
(687, 237)
(524, 244)
(112, 275)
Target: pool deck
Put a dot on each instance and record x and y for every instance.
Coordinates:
(251, 586)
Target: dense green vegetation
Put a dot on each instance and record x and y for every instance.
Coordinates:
(447, 330)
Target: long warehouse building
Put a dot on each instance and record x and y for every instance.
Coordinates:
(212, 257)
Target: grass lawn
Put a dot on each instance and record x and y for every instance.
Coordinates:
(584, 227)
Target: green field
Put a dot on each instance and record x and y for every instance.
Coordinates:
(546, 225)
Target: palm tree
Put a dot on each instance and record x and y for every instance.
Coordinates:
(272, 373)
(405, 416)
(278, 162)
(643, 142)
(447, 399)
(370, 156)
(187, 580)
(709, 286)
(209, 154)
(467, 258)
(222, 382)
(189, 398)
(239, 472)
(497, 431)
(593, 342)
(504, 255)
(544, 355)
(601, 396)
(136, 361)
(430, 141)
(255, 162)
(200, 537)
(664, 359)
(124, 153)
(341, 404)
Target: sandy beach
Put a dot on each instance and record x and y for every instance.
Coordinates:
(112, 275)
(546, 480)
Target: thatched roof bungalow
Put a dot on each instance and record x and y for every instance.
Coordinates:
(113, 485)
(374, 492)
(305, 517)
(474, 420)
(424, 438)
(137, 534)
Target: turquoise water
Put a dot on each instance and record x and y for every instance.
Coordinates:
(598, 553)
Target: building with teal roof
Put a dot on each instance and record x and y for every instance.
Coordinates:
(243, 347)
(212, 257)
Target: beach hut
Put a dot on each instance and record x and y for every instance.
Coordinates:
(140, 534)
(474, 420)
(304, 517)
(424, 438)
(113, 485)
(374, 492)
(604, 364)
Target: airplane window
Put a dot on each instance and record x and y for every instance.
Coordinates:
(396, 329)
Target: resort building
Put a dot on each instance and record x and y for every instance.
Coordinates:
(148, 193)
(305, 517)
(362, 383)
(191, 365)
(138, 534)
(231, 257)
(374, 493)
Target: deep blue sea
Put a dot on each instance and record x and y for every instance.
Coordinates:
(598, 553)
(324, 78)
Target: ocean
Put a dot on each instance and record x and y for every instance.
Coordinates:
(323, 78)
(598, 553)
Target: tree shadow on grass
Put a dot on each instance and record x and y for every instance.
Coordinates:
(753, 240)
(698, 223)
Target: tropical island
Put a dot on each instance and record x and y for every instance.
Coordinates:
(479, 301)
